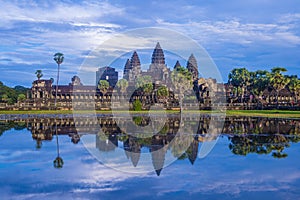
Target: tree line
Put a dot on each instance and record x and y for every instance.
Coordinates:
(256, 82)
(12, 95)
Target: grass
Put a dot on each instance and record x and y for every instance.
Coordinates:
(253, 113)
(264, 113)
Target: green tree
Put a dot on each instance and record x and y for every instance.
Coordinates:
(58, 162)
(259, 82)
(10, 95)
(52, 80)
(240, 78)
(182, 81)
(21, 97)
(39, 74)
(59, 58)
(163, 93)
(294, 86)
(122, 84)
(4, 97)
(137, 105)
(145, 83)
(278, 81)
(103, 86)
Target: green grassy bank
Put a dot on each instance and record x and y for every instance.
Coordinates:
(257, 113)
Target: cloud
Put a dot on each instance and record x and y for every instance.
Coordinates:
(56, 12)
(235, 31)
(32, 31)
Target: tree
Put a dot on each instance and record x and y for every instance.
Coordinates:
(240, 78)
(122, 84)
(58, 162)
(39, 74)
(294, 87)
(145, 83)
(259, 82)
(103, 86)
(4, 97)
(59, 58)
(137, 105)
(278, 69)
(182, 81)
(278, 81)
(10, 95)
(163, 93)
(21, 97)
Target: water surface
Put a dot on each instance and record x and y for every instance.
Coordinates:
(253, 158)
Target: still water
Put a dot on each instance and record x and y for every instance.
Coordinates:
(250, 158)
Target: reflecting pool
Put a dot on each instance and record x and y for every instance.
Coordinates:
(249, 158)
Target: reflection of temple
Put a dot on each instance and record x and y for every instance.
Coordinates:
(132, 150)
(245, 134)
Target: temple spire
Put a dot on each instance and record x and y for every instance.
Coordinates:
(127, 68)
(135, 60)
(177, 65)
(192, 66)
(135, 67)
(158, 56)
(157, 46)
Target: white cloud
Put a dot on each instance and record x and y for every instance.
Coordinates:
(234, 31)
(56, 12)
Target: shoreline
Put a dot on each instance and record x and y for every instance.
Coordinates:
(68, 113)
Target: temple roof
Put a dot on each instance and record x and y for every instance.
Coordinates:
(158, 56)
(157, 46)
(177, 65)
(192, 66)
(135, 60)
(192, 62)
(127, 67)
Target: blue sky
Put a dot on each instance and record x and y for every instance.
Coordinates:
(257, 34)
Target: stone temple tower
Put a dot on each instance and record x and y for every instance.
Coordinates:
(158, 69)
(192, 66)
(127, 69)
(135, 66)
(132, 68)
(158, 57)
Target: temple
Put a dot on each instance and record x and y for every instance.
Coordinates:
(205, 94)
(158, 70)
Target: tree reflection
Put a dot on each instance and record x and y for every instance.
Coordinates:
(58, 162)
(246, 135)
(260, 144)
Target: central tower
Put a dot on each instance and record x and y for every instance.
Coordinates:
(158, 69)
(158, 57)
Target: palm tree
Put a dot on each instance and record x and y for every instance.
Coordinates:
(58, 162)
(163, 93)
(240, 78)
(103, 86)
(59, 58)
(259, 82)
(145, 83)
(294, 87)
(122, 84)
(278, 81)
(39, 74)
